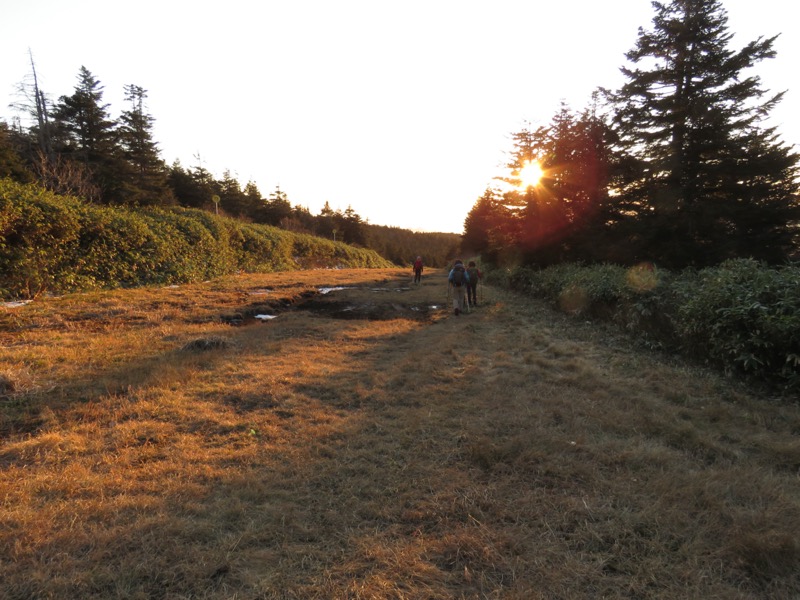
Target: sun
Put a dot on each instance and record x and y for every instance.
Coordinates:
(530, 174)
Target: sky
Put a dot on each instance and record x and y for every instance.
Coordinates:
(402, 110)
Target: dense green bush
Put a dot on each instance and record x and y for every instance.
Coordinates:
(745, 317)
(741, 316)
(51, 243)
(38, 237)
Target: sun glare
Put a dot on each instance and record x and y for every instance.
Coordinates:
(530, 174)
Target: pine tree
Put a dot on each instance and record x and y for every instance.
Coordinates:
(491, 228)
(353, 228)
(709, 181)
(276, 208)
(232, 197)
(146, 177)
(86, 134)
(193, 187)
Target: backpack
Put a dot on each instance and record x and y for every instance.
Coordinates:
(458, 275)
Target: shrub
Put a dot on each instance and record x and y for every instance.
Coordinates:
(39, 233)
(58, 244)
(745, 317)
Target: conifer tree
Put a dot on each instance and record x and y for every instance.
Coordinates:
(711, 182)
(146, 177)
(276, 208)
(491, 228)
(353, 228)
(86, 134)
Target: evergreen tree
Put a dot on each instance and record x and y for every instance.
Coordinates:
(252, 201)
(232, 198)
(86, 134)
(709, 182)
(146, 177)
(492, 226)
(569, 209)
(353, 228)
(326, 222)
(193, 188)
(276, 208)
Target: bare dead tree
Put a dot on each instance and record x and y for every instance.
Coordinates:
(66, 177)
(42, 119)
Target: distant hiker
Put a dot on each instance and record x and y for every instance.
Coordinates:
(472, 287)
(418, 270)
(458, 279)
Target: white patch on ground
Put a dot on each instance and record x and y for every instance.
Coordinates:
(15, 304)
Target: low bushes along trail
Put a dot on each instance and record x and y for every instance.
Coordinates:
(367, 443)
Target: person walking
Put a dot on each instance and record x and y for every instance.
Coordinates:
(475, 275)
(418, 270)
(458, 279)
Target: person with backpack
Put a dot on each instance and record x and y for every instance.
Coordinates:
(418, 269)
(472, 287)
(458, 279)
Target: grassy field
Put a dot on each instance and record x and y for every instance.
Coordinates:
(366, 443)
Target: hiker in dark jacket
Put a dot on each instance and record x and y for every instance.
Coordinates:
(458, 279)
(472, 288)
(418, 269)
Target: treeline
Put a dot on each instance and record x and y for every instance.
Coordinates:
(74, 147)
(57, 244)
(402, 246)
(675, 168)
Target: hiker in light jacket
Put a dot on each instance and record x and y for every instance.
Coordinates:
(458, 279)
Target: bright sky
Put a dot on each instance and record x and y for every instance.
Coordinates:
(401, 109)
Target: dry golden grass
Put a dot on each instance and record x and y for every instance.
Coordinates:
(164, 443)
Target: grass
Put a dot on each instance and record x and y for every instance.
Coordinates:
(364, 445)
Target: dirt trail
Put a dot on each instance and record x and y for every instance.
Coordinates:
(367, 443)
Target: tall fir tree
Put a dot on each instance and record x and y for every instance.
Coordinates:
(710, 181)
(492, 226)
(86, 134)
(276, 208)
(145, 180)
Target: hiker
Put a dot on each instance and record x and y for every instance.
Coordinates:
(458, 279)
(472, 287)
(418, 269)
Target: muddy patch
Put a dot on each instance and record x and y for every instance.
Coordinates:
(371, 311)
(346, 302)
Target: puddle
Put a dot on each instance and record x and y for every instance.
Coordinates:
(264, 317)
(328, 290)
